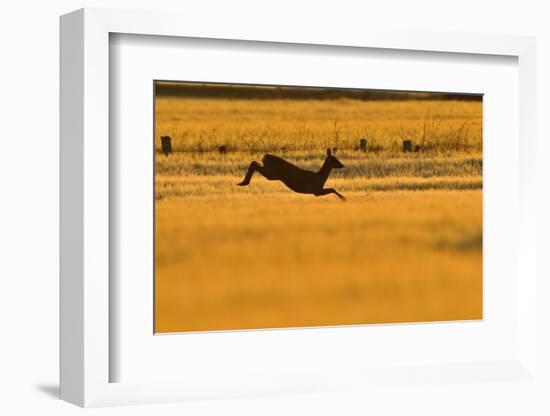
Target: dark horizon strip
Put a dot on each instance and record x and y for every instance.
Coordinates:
(267, 92)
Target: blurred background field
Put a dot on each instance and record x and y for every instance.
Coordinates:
(405, 247)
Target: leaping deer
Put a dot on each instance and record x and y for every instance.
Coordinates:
(299, 180)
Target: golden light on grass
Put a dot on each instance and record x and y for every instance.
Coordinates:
(405, 247)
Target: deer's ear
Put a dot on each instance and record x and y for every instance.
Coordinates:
(329, 152)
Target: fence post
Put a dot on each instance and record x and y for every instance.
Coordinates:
(166, 145)
(407, 146)
(363, 145)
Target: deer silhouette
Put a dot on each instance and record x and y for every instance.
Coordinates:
(299, 180)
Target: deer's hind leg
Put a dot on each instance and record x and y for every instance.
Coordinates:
(330, 191)
(251, 169)
(255, 167)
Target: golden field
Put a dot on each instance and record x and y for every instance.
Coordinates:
(405, 247)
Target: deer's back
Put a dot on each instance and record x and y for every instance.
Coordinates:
(277, 162)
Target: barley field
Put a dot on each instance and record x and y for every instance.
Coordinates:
(406, 246)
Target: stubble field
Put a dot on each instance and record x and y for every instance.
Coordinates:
(405, 247)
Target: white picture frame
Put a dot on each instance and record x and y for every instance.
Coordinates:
(85, 220)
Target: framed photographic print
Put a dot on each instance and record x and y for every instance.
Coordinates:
(250, 228)
(266, 214)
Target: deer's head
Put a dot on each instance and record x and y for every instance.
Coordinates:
(332, 162)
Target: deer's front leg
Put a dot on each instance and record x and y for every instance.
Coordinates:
(330, 191)
(251, 169)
